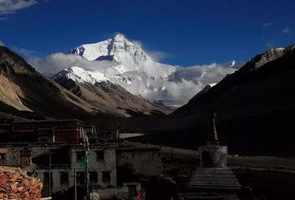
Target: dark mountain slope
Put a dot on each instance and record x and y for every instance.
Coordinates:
(257, 87)
(255, 107)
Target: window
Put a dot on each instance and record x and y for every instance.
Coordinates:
(25, 161)
(25, 157)
(106, 176)
(93, 177)
(47, 180)
(80, 177)
(99, 155)
(2, 156)
(64, 178)
(80, 156)
(132, 191)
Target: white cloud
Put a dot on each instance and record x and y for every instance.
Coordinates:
(207, 74)
(158, 55)
(56, 62)
(186, 82)
(11, 6)
(286, 30)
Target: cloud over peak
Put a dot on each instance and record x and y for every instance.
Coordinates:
(11, 6)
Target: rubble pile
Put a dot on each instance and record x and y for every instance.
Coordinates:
(14, 184)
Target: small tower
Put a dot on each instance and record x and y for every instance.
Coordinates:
(213, 154)
(212, 135)
(212, 179)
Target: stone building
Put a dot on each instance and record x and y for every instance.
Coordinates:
(65, 167)
(55, 152)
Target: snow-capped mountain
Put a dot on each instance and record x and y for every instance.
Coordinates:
(126, 56)
(117, 48)
(126, 63)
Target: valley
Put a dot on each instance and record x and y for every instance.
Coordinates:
(89, 110)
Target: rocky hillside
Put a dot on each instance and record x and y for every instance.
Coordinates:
(262, 85)
(23, 90)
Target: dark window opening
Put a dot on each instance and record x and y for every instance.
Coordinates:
(99, 155)
(47, 180)
(2, 156)
(80, 178)
(64, 178)
(106, 176)
(80, 156)
(93, 177)
(132, 191)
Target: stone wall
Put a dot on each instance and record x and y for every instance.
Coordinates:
(146, 162)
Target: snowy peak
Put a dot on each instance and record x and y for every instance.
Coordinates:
(118, 49)
(92, 51)
(80, 75)
(119, 37)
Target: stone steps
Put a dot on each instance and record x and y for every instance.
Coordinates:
(214, 178)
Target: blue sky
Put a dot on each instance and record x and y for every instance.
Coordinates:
(184, 32)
